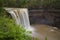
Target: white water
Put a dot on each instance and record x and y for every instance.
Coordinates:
(21, 17)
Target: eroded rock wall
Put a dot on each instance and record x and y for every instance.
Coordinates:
(45, 17)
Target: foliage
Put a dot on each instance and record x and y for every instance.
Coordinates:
(3, 13)
(31, 3)
(10, 31)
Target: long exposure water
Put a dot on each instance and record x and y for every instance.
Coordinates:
(21, 17)
(40, 31)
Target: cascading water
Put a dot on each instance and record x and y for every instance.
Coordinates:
(21, 17)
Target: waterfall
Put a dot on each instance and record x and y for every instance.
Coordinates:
(21, 17)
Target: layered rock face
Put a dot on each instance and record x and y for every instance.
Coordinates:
(48, 17)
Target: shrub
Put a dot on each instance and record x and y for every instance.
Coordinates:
(10, 31)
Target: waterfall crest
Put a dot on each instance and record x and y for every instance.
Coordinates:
(21, 17)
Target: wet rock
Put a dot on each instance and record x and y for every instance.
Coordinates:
(46, 17)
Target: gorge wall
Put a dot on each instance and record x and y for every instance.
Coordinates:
(48, 17)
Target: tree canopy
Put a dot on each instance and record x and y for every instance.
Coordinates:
(31, 3)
